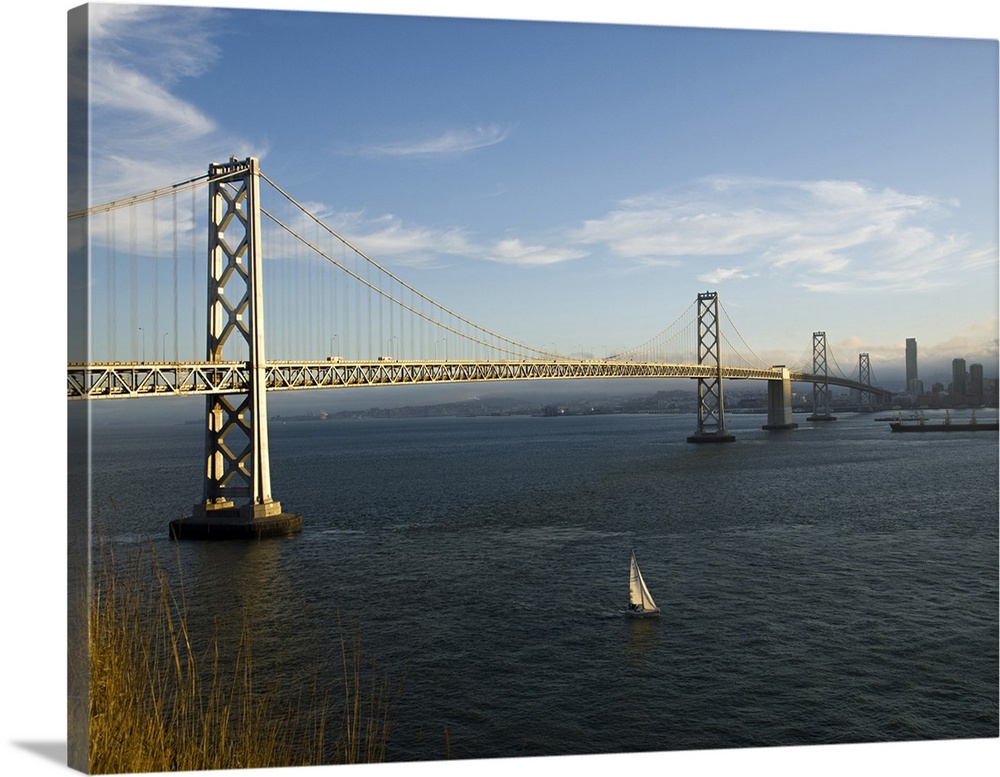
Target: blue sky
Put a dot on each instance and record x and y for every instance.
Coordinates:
(580, 183)
(577, 184)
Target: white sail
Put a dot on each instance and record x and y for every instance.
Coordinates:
(639, 599)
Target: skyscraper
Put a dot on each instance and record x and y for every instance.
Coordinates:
(976, 382)
(911, 366)
(958, 388)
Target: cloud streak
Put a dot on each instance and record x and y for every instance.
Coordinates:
(449, 143)
(143, 135)
(720, 274)
(829, 236)
(388, 237)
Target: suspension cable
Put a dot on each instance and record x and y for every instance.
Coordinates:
(742, 339)
(393, 277)
(138, 199)
(643, 346)
(385, 295)
(803, 363)
(833, 358)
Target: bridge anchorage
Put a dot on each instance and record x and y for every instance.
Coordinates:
(237, 501)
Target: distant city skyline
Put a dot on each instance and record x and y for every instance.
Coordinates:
(915, 384)
(579, 184)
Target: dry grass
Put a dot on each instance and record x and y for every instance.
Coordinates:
(160, 702)
(368, 707)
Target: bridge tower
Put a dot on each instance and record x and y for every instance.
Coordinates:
(865, 396)
(711, 411)
(237, 499)
(821, 389)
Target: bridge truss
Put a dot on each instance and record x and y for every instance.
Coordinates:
(134, 380)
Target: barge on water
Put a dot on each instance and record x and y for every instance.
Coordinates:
(921, 425)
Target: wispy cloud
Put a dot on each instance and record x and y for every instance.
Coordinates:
(832, 236)
(514, 251)
(173, 44)
(143, 134)
(144, 102)
(720, 274)
(977, 342)
(451, 142)
(822, 236)
(387, 237)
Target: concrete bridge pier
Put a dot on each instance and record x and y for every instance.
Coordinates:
(779, 402)
(225, 520)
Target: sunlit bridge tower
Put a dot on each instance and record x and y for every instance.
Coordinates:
(237, 499)
(711, 412)
(821, 388)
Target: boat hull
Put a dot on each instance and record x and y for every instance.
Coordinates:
(977, 427)
(642, 613)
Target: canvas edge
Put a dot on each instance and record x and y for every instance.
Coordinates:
(78, 413)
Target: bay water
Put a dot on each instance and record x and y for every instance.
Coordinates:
(835, 583)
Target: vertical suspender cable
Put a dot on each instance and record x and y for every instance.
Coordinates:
(368, 305)
(173, 265)
(112, 305)
(381, 323)
(196, 299)
(155, 285)
(286, 307)
(133, 288)
(346, 315)
(297, 349)
(392, 323)
(358, 321)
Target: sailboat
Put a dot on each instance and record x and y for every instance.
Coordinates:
(640, 603)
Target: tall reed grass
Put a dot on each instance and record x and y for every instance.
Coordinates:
(161, 700)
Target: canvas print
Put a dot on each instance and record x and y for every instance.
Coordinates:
(459, 389)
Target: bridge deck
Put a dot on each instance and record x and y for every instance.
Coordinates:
(125, 380)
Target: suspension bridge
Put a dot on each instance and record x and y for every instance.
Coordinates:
(335, 318)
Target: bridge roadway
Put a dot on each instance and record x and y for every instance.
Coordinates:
(129, 380)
